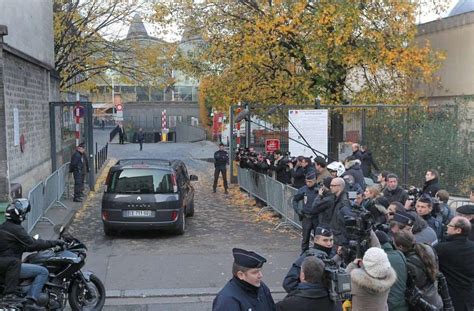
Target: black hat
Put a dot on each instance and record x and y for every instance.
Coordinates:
(82, 145)
(247, 259)
(327, 181)
(382, 237)
(382, 201)
(324, 231)
(310, 175)
(467, 209)
(404, 218)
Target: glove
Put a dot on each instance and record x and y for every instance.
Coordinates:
(58, 243)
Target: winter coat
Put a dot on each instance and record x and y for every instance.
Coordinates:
(367, 163)
(398, 195)
(77, 163)
(321, 175)
(239, 296)
(140, 137)
(337, 226)
(14, 241)
(456, 262)
(354, 169)
(357, 154)
(426, 236)
(445, 214)
(396, 297)
(298, 175)
(282, 171)
(221, 158)
(417, 273)
(323, 208)
(307, 195)
(368, 293)
(431, 187)
(435, 225)
(306, 297)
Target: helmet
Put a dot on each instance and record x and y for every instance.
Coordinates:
(17, 210)
(337, 167)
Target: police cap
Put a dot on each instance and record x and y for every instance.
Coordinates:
(467, 209)
(247, 259)
(404, 218)
(324, 231)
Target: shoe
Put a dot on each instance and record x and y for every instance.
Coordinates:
(31, 305)
(214, 190)
(77, 200)
(54, 305)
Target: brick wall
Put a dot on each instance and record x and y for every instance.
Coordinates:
(27, 88)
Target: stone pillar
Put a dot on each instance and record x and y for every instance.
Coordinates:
(4, 177)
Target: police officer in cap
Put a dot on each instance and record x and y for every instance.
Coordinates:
(245, 291)
(467, 211)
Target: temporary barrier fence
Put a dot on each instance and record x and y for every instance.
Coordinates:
(277, 196)
(100, 156)
(47, 194)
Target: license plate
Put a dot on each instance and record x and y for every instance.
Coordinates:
(139, 213)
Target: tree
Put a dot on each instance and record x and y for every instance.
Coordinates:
(293, 51)
(86, 45)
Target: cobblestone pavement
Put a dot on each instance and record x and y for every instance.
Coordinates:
(158, 262)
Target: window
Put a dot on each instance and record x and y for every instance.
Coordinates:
(140, 180)
(172, 121)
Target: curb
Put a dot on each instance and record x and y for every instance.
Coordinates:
(171, 292)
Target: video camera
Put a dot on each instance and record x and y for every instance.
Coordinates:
(358, 229)
(337, 280)
(414, 194)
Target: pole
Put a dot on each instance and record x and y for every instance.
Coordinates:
(405, 148)
(113, 98)
(247, 128)
(77, 114)
(233, 179)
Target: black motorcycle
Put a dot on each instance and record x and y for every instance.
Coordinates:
(67, 282)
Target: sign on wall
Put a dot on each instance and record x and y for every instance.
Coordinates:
(272, 145)
(313, 126)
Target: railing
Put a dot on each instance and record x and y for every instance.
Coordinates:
(278, 196)
(46, 195)
(113, 133)
(100, 156)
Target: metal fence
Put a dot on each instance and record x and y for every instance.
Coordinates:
(47, 194)
(100, 156)
(278, 196)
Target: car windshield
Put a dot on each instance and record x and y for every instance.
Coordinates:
(140, 180)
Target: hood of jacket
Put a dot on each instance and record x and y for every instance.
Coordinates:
(376, 285)
(354, 164)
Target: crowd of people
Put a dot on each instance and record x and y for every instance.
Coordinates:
(396, 249)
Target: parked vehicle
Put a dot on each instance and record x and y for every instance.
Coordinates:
(67, 282)
(147, 194)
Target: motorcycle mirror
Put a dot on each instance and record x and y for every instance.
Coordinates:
(36, 237)
(59, 228)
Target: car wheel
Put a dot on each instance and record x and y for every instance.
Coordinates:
(108, 231)
(190, 209)
(181, 224)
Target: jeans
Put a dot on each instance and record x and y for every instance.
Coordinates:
(41, 277)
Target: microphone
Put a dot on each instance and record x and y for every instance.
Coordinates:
(242, 115)
(273, 109)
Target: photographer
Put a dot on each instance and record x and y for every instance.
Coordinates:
(371, 280)
(309, 221)
(323, 248)
(281, 168)
(310, 292)
(299, 171)
(323, 205)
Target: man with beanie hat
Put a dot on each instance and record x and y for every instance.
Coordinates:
(306, 194)
(371, 280)
(245, 291)
(396, 297)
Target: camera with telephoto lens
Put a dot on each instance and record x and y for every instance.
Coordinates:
(337, 280)
(414, 194)
(358, 227)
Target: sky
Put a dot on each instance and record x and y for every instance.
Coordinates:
(429, 16)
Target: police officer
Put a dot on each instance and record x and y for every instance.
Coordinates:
(79, 166)
(467, 211)
(245, 291)
(221, 159)
(323, 248)
(309, 221)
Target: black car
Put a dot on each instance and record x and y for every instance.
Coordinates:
(147, 194)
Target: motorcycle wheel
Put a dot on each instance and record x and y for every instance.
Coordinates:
(80, 299)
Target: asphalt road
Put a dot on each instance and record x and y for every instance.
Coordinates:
(160, 271)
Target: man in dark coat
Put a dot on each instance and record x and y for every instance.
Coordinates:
(393, 192)
(221, 159)
(298, 172)
(456, 262)
(79, 167)
(245, 291)
(121, 134)
(323, 205)
(431, 185)
(310, 294)
(467, 211)
(356, 153)
(341, 201)
(281, 168)
(353, 168)
(367, 161)
(309, 221)
(140, 138)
